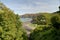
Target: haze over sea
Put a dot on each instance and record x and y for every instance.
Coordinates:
(25, 19)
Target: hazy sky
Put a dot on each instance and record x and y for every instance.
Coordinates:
(32, 6)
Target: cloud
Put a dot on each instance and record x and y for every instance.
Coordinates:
(32, 6)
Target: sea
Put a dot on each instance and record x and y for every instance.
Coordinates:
(26, 19)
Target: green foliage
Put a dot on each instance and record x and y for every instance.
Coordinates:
(10, 26)
(40, 20)
(50, 32)
(45, 33)
(55, 22)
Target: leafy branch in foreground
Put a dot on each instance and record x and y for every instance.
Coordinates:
(10, 25)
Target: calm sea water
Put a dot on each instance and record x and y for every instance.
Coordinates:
(25, 19)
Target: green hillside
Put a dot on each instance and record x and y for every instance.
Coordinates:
(50, 31)
(10, 25)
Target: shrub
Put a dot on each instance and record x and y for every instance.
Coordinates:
(40, 20)
(10, 26)
(45, 33)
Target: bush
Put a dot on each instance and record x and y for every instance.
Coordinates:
(45, 33)
(50, 32)
(55, 22)
(40, 20)
(10, 26)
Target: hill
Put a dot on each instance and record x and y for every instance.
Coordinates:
(32, 15)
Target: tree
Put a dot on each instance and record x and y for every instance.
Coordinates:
(45, 33)
(55, 22)
(40, 20)
(10, 25)
(50, 32)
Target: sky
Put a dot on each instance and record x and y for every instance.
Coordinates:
(31, 6)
